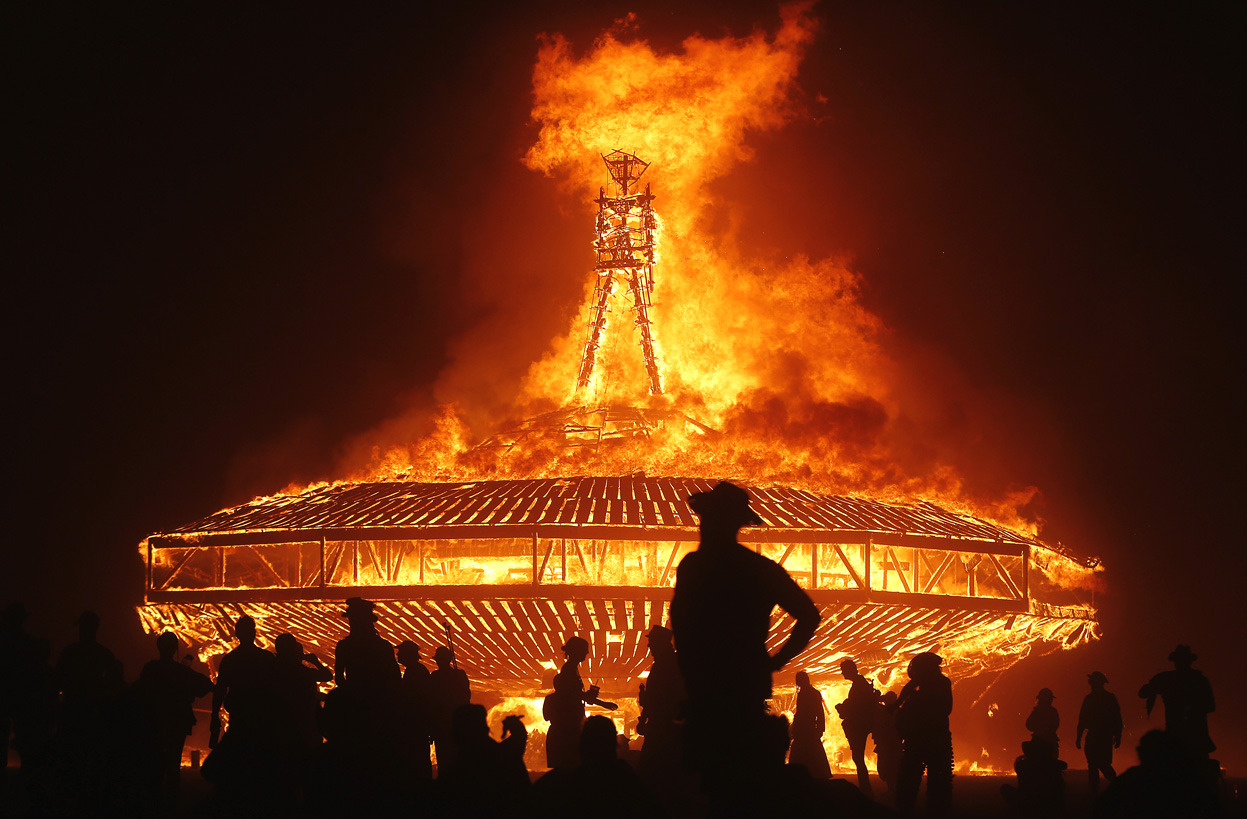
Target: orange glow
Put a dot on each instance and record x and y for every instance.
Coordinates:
(776, 355)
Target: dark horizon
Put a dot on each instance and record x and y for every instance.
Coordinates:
(246, 243)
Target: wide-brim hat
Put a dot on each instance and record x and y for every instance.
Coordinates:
(726, 499)
(358, 607)
(1097, 675)
(1045, 694)
(1183, 652)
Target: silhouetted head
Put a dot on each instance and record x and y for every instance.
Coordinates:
(444, 657)
(722, 511)
(1182, 656)
(244, 629)
(359, 611)
(1158, 751)
(598, 741)
(1097, 679)
(660, 638)
(288, 648)
(576, 649)
(469, 725)
(925, 665)
(803, 679)
(848, 668)
(890, 697)
(88, 625)
(1045, 695)
(408, 653)
(167, 645)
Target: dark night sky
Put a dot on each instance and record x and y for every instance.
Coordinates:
(244, 239)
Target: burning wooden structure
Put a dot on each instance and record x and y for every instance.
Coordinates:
(624, 248)
(517, 566)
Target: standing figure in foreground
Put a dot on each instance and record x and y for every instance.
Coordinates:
(169, 689)
(241, 761)
(662, 701)
(1100, 718)
(857, 714)
(415, 711)
(1044, 720)
(721, 616)
(887, 740)
(927, 744)
(809, 723)
(449, 688)
(565, 707)
(1188, 700)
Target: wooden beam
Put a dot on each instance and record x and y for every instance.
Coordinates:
(662, 581)
(189, 554)
(770, 534)
(900, 574)
(849, 566)
(938, 572)
(1008, 581)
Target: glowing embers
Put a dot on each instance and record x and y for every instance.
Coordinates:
(626, 239)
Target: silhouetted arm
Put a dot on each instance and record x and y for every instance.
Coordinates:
(320, 671)
(793, 599)
(218, 697)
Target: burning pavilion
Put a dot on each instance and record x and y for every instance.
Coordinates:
(516, 566)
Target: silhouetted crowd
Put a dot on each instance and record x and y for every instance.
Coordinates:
(392, 737)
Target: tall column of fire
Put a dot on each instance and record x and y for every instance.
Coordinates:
(625, 249)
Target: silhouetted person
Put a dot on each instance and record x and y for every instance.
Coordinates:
(887, 740)
(168, 689)
(415, 714)
(564, 707)
(1100, 718)
(485, 778)
(28, 701)
(88, 677)
(296, 682)
(1044, 721)
(721, 616)
(362, 715)
(1159, 786)
(857, 715)
(364, 660)
(241, 761)
(601, 784)
(922, 721)
(449, 688)
(809, 723)
(1040, 789)
(1188, 700)
(662, 704)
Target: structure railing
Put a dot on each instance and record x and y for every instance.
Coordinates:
(872, 567)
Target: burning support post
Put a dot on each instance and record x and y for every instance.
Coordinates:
(625, 248)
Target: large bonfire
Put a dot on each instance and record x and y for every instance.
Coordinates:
(768, 371)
